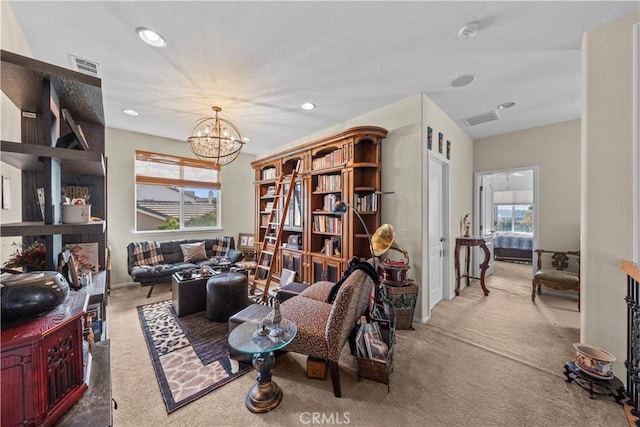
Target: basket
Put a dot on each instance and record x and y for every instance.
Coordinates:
(373, 369)
(403, 299)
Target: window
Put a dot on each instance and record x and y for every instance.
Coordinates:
(513, 218)
(176, 193)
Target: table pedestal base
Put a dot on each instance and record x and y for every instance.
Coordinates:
(265, 394)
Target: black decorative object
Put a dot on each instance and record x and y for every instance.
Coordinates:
(26, 295)
(608, 388)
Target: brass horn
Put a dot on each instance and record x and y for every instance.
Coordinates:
(382, 241)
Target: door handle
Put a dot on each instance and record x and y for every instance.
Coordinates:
(442, 239)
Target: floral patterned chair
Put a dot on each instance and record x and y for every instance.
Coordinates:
(323, 328)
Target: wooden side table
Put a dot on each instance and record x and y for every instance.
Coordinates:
(468, 242)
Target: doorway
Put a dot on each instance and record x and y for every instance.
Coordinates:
(438, 233)
(506, 215)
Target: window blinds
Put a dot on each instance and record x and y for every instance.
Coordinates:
(167, 170)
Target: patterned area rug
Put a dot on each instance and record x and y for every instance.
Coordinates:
(190, 355)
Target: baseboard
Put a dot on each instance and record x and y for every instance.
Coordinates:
(124, 285)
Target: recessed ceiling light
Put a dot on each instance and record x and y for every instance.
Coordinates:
(506, 105)
(308, 106)
(465, 80)
(130, 112)
(151, 37)
(468, 31)
(245, 139)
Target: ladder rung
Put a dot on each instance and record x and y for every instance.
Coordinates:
(264, 267)
(264, 251)
(270, 237)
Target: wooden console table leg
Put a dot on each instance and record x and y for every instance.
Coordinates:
(467, 262)
(483, 268)
(457, 265)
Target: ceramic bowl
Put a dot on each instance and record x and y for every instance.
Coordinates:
(594, 360)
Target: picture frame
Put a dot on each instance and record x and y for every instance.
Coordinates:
(75, 138)
(86, 256)
(65, 267)
(429, 137)
(440, 142)
(448, 150)
(245, 241)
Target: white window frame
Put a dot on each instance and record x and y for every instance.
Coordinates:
(180, 184)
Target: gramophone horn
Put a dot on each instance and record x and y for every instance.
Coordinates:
(382, 241)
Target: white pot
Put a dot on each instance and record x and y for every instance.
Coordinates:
(76, 214)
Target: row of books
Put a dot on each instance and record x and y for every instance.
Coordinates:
(369, 342)
(329, 183)
(328, 201)
(331, 247)
(366, 203)
(327, 224)
(330, 160)
(271, 191)
(269, 173)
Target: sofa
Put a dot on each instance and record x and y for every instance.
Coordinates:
(151, 262)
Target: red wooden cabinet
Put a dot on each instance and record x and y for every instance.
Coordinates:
(42, 365)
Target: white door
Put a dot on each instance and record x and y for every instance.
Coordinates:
(436, 232)
(486, 225)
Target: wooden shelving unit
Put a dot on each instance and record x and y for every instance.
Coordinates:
(343, 166)
(42, 92)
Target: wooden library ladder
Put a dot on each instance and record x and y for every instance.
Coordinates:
(273, 236)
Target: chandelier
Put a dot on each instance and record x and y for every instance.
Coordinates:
(215, 139)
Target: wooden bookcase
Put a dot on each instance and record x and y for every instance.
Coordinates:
(343, 166)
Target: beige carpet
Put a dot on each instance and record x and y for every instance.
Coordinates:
(480, 361)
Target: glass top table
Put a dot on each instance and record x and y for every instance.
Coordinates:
(261, 339)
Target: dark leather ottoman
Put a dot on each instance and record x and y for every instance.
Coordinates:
(290, 290)
(227, 293)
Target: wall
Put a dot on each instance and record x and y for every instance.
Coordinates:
(404, 162)
(237, 195)
(607, 155)
(556, 150)
(460, 182)
(12, 40)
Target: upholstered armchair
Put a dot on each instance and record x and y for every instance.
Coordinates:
(323, 328)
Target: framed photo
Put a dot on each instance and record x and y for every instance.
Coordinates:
(448, 150)
(429, 137)
(85, 256)
(440, 142)
(245, 241)
(74, 139)
(73, 274)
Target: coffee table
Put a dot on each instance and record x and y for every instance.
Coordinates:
(248, 338)
(190, 295)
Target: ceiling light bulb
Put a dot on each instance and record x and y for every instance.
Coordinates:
(245, 139)
(151, 37)
(308, 106)
(468, 31)
(506, 105)
(130, 112)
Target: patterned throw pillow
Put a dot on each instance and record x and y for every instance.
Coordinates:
(193, 252)
(147, 253)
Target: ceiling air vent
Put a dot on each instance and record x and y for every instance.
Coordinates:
(481, 118)
(85, 66)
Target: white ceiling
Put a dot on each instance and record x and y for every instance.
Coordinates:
(260, 61)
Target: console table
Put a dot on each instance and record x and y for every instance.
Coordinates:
(468, 242)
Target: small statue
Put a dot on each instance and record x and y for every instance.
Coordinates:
(465, 225)
(277, 318)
